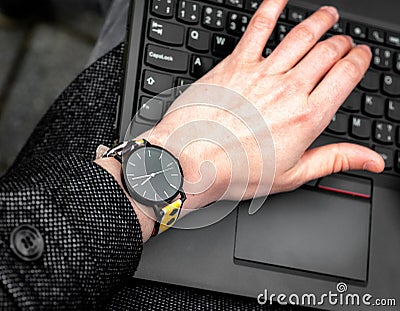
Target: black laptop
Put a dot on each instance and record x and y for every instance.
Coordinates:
(339, 234)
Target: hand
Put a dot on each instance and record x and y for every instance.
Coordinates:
(297, 90)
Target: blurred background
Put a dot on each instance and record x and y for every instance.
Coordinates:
(42, 49)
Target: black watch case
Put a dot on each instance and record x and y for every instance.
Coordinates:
(152, 175)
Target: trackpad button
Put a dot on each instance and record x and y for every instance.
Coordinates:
(309, 231)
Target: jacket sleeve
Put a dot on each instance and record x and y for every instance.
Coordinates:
(68, 235)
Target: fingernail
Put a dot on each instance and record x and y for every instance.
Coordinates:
(332, 10)
(370, 166)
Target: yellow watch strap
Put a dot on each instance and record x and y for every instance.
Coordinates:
(168, 216)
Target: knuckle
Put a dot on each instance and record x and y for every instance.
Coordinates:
(340, 161)
(342, 39)
(304, 33)
(328, 49)
(307, 115)
(262, 22)
(350, 69)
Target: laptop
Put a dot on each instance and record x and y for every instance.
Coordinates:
(338, 235)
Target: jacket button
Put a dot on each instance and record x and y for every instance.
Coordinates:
(27, 243)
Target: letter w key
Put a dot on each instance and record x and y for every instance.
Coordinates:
(223, 45)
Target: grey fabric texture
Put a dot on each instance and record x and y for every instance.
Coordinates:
(113, 31)
(92, 237)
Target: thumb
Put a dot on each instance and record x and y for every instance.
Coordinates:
(334, 158)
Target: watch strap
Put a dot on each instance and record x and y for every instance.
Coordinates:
(118, 151)
(168, 215)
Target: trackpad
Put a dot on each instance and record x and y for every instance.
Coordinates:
(309, 231)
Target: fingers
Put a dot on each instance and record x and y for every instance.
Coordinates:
(340, 81)
(260, 28)
(320, 60)
(334, 158)
(300, 40)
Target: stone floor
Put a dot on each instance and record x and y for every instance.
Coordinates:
(37, 61)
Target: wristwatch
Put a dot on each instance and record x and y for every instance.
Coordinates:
(152, 176)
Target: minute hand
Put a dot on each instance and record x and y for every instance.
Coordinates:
(153, 175)
(160, 172)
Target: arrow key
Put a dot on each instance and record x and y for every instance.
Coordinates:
(156, 83)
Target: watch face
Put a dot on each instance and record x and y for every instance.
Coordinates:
(152, 175)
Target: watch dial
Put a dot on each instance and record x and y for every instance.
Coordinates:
(153, 174)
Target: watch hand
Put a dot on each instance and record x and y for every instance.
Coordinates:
(139, 177)
(149, 176)
(163, 171)
(147, 179)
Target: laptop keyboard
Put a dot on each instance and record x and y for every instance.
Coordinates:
(186, 39)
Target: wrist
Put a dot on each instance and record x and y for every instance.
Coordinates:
(201, 183)
(113, 167)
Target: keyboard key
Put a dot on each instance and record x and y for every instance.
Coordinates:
(151, 109)
(156, 82)
(198, 40)
(213, 18)
(398, 135)
(163, 8)
(360, 127)
(391, 84)
(166, 58)
(387, 155)
(357, 31)
(252, 5)
(235, 3)
(345, 184)
(282, 31)
(371, 81)
(353, 102)
(397, 161)
(284, 14)
(268, 50)
(393, 111)
(201, 65)
(223, 45)
(384, 132)
(393, 39)
(382, 58)
(376, 35)
(339, 27)
(296, 15)
(397, 62)
(237, 23)
(339, 124)
(166, 32)
(181, 85)
(140, 126)
(373, 105)
(188, 12)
